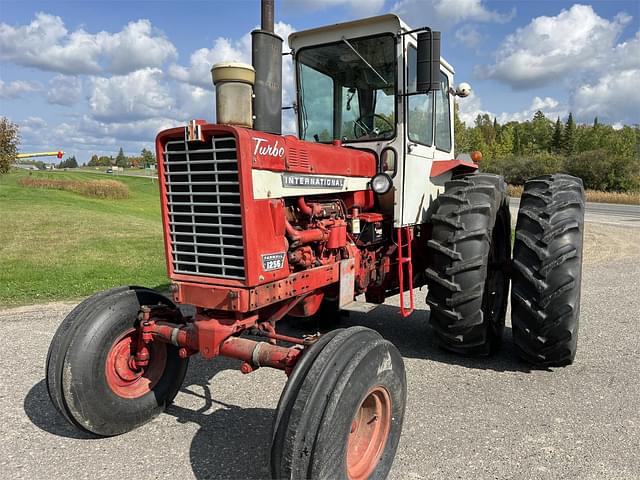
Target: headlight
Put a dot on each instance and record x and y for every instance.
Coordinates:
(381, 183)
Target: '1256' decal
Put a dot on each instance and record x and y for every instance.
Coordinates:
(272, 261)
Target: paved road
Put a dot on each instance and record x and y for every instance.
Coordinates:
(604, 213)
(466, 418)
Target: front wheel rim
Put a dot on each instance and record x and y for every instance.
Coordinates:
(122, 378)
(369, 433)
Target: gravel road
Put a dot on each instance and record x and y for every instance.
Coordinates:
(466, 418)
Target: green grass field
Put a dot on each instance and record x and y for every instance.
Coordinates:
(60, 245)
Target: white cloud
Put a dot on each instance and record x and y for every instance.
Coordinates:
(198, 72)
(471, 107)
(17, 88)
(550, 49)
(46, 44)
(127, 109)
(138, 95)
(32, 128)
(85, 136)
(141, 131)
(580, 49)
(469, 36)
(135, 47)
(444, 14)
(65, 90)
(626, 55)
(194, 102)
(33, 122)
(613, 98)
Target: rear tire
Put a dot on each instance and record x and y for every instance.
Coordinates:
(469, 250)
(547, 261)
(341, 412)
(83, 373)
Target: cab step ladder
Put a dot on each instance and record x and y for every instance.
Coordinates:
(405, 238)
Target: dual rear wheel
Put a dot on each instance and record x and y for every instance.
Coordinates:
(470, 267)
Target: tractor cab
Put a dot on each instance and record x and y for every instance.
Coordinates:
(358, 83)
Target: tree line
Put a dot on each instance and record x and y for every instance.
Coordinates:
(604, 157)
(145, 159)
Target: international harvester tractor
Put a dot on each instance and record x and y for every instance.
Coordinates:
(368, 201)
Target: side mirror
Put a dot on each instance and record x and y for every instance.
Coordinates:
(428, 67)
(388, 160)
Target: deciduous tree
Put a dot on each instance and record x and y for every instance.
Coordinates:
(9, 141)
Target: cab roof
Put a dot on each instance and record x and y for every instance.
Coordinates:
(357, 28)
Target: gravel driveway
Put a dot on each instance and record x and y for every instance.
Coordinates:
(466, 418)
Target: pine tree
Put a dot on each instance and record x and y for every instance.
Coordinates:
(121, 159)
(569, 138)
(556, 141)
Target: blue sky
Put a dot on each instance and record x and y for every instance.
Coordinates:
(91, 76)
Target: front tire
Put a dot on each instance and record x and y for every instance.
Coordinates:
(469, 251)
(341, 412)
(88, 374)
(547, 261)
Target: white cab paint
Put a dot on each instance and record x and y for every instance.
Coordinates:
(414, 189)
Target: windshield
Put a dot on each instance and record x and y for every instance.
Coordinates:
(347, 90)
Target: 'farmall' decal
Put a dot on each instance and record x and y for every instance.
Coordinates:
(267, 149)
(293, 180)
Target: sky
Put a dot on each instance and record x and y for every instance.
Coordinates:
(92, 76)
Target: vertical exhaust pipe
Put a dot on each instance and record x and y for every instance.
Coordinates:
(266, 58)
(267, 11)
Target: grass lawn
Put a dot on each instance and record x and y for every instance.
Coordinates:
(60, 245)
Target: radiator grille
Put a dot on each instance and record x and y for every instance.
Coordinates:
(203, 202)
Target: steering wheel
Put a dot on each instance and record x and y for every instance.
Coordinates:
(365, 130)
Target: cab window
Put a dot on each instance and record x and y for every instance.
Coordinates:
(419, 106)
(443, 115)
(347, 90)
(317, 109)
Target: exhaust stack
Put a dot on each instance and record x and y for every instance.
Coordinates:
(266, 58)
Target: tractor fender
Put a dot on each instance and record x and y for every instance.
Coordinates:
(438, 167)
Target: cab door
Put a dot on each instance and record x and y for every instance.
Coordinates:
(419, 144)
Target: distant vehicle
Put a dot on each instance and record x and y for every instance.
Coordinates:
(109, 170)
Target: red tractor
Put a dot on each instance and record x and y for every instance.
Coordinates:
(367, 202)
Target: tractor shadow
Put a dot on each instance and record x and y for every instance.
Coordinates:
(224, 435)
(227, 432)
(414, 337)
(43, 414)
